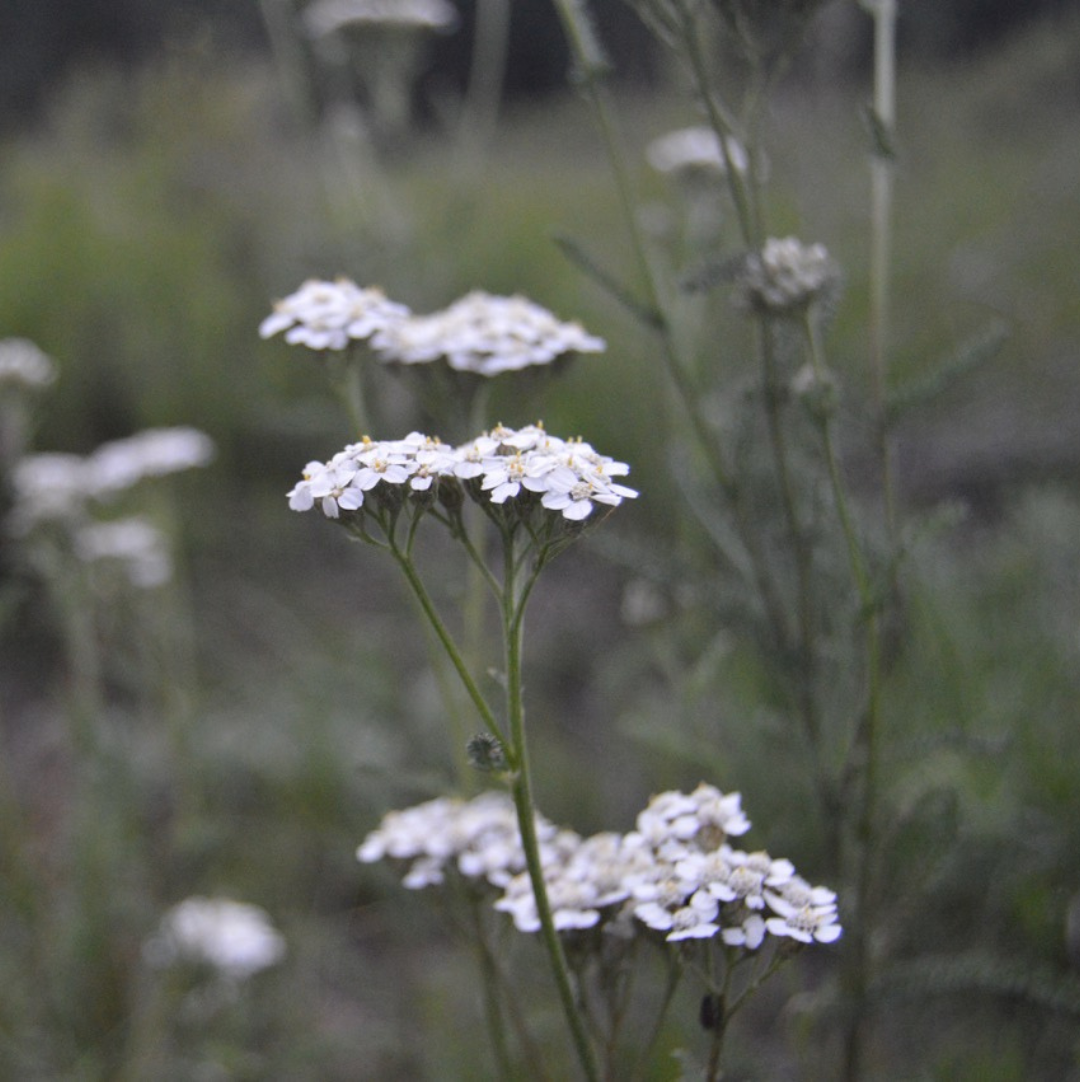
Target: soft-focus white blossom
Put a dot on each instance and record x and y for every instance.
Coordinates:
(154, 452)
(236, 939)
(54, 486)
(784, 275)
(694, 150)
(673, 875)
(480, 837)
(328, 16)
(329, 315)
(23, 364)
(485, 334)
(48, 487)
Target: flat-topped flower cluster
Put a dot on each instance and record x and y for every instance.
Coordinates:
(481, 333)
(55, 485)
(675, 874)
(329, 16)
(23, 364)
(330, 315)
(235, 939)
(502, 467)
(485, 334)
(67, 495)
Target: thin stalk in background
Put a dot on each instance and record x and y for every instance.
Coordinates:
(487, 69)
(883, 13)
(862, 757)
(591, 68)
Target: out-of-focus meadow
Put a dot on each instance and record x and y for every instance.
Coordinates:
(262, 711)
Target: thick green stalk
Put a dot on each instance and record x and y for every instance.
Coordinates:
(489, 970)
(446, 639)
(521, 788)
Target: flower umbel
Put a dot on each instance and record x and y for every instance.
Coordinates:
(785, 275)
(329, 315)
(486, 335)
(674, 874)
(234, 938)
(519, 469)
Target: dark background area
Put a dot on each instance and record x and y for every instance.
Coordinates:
(42, 41)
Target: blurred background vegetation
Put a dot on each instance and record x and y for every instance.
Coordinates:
(159, 187)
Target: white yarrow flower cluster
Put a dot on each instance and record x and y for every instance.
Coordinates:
(486, 335)
(236, 939)
(155, 452)
(785, 275)
(676, 874)
(329, 315)
(54, 486)
(502, 467)
(693, 151)
(329, 16)
(479, 837)
(23, 364)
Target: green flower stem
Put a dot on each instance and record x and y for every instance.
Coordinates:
(447, 641)
(350, 386)
(864, 749)
(521, 789)
(745, 202)
(675, 972)
(492, 987)
(799, 543)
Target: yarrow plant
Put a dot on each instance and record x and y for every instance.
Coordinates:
(69, 497)
(486, 335)
(785, 275)
(523, 472)
(330, 16)
(235, 939)
(675, 874)
(331, 315)
(676, 878)
(479, 335)
(695, 151)
(23, 364)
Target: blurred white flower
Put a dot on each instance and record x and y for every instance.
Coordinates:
(694, 150)
(154, 452)
(139, 547)
(693, 917)
(785, 275)
(582, 877)
(23, 364)
(234, 938)
(670, 874)
(486, 335)
(328, 16)
(329, 315)
(480, 837)
(48, 487)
